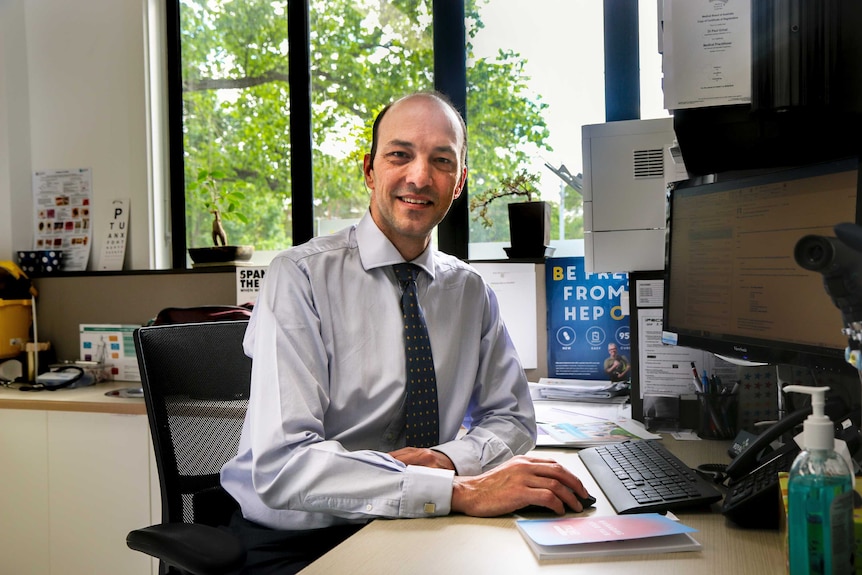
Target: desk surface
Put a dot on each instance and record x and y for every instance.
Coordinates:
(461, 544)
(86, 399)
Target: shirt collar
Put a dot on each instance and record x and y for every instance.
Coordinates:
(375, 249)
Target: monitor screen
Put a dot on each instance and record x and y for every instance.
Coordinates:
(732, 285)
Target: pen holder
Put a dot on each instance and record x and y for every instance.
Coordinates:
(718, 415)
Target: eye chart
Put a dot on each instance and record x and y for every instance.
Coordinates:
(113, 242)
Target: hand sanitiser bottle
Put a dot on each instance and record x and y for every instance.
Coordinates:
(820, 498)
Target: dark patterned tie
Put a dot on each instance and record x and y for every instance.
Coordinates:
(421, 419)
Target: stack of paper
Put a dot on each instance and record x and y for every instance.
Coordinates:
(580, 390)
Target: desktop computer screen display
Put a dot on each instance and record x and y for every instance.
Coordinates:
(732, 285)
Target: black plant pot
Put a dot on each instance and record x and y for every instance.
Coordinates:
(529, 229)
(220, 254)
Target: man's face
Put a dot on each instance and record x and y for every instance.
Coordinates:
(416, 173)
(612, 349)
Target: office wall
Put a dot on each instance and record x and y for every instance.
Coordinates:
(66, 302)
(73, 94)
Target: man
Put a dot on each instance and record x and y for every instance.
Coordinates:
(617, 366)
(323, 447)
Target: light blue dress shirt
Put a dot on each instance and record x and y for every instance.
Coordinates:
(328, 377)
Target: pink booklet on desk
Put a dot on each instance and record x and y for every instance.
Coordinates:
(567, 537)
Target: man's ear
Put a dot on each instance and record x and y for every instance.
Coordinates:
(460, 187)
(366, 170)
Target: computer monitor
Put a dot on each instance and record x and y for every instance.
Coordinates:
(732, 285)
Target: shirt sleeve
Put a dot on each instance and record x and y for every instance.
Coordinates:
(501, 420)
(293, 464)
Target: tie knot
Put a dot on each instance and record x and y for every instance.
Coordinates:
(406, 273)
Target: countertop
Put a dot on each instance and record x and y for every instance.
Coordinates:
(90, 399)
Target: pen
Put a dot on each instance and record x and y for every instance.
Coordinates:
(705, 382)
(696, 379)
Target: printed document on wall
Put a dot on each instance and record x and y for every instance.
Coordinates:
(707, 53)
(515, 288)
(667, 369)
(249, 281)
(61, 204)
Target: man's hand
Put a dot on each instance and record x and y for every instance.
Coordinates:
(423, 457)
(519, 482)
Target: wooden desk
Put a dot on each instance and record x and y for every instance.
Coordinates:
(461, 544)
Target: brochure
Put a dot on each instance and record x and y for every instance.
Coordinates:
(564, 427)
(589, 434)
(571, 537)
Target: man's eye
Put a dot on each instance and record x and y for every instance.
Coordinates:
(446, 163)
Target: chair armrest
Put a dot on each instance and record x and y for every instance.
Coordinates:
(194, 548)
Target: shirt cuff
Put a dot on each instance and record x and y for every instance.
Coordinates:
(427, 492)
(462, 455)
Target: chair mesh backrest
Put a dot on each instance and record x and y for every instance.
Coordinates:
(196, 382)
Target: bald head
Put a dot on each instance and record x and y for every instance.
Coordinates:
(432, 95)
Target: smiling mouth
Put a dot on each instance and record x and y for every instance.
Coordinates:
(415, 201)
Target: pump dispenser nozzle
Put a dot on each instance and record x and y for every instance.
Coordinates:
(819, 433)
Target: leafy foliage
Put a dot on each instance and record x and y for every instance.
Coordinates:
(522, 183)
(221, 195)
(364, 53)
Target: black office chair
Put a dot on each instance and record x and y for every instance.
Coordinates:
(196, 382)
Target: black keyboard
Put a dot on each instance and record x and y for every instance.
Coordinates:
(642, 476)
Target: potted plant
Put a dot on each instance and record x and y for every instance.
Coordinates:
(222, 197)
(529, 220)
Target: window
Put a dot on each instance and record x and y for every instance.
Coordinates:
(363, 54)
(534, 76)
(652, 96)
(235, 114)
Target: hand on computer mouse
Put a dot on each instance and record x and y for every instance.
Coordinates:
(515, 484)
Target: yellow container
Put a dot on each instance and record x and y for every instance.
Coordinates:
(16, 316)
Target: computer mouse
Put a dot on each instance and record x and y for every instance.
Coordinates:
(587, 502)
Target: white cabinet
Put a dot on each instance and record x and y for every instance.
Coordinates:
(24, 491)
(73, 485)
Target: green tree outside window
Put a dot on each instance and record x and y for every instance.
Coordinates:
(363, 54)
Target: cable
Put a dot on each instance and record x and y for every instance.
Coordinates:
(35, 337)
(714, 472)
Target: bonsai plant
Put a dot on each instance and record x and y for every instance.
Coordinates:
(222, 197)
(529, 220)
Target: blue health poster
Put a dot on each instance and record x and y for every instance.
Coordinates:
(588, 329)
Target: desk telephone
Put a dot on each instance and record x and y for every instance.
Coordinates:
(752, 498)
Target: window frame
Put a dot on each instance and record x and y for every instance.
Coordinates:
(622, 102)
